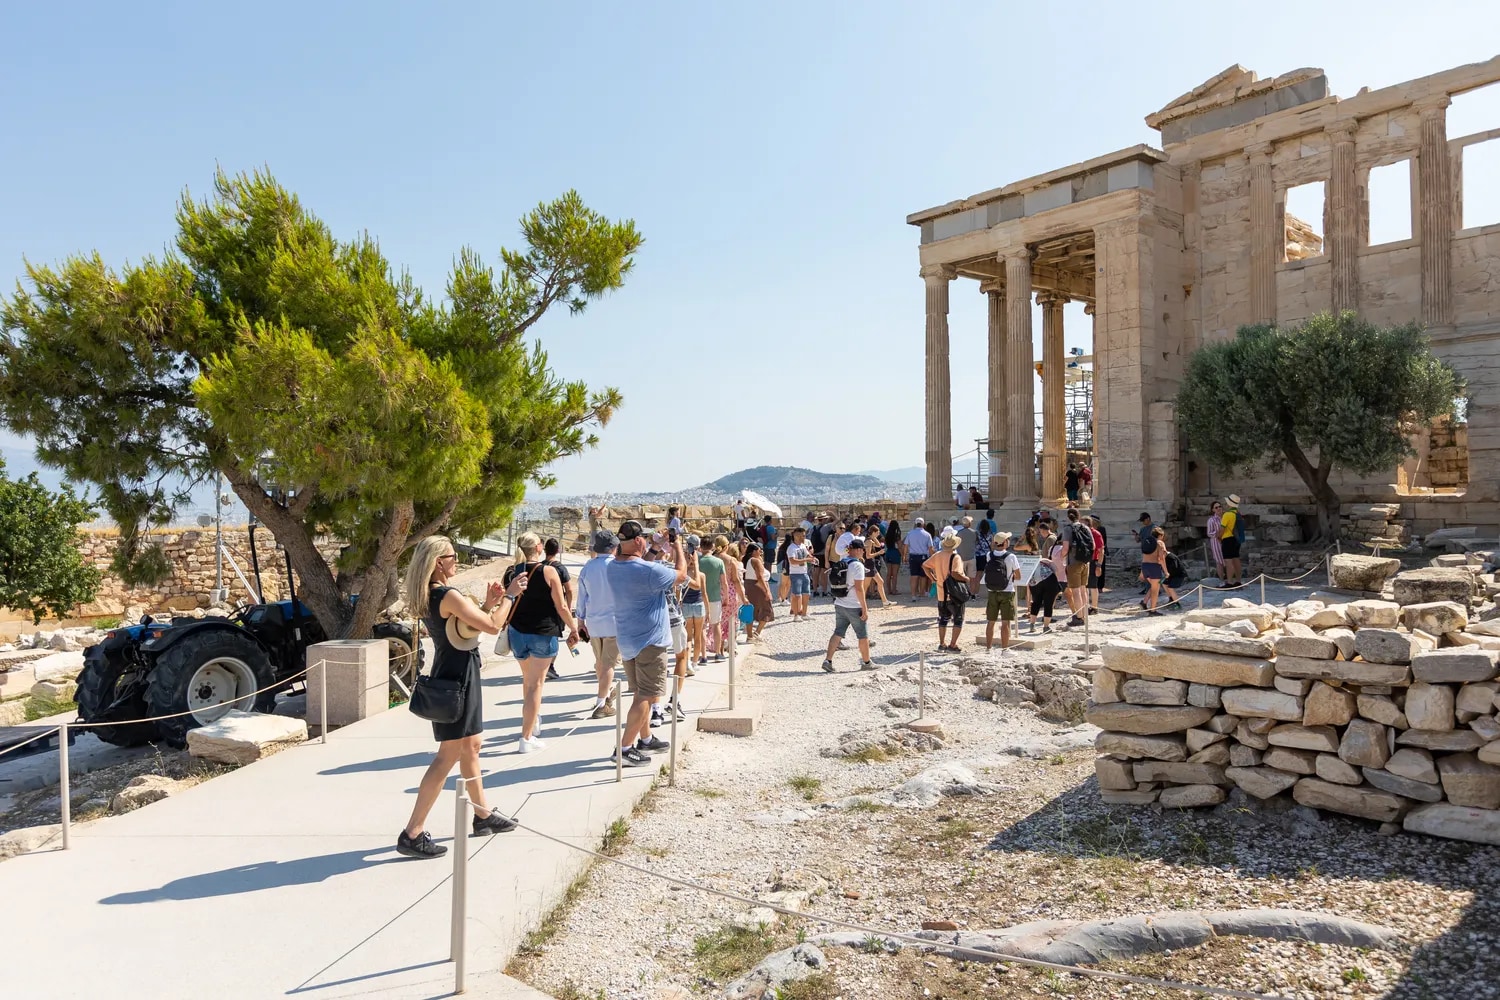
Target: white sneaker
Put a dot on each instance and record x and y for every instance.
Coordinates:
(531, 746)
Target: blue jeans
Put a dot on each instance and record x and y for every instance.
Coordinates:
(801, 584)
(525, 645)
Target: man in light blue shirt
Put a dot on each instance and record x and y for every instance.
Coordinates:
(642, 633)
(918, 546)
(596, 610)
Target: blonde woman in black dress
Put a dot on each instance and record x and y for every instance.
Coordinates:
(456, 657)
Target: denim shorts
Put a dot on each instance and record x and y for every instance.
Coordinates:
(800, 584)
(525, 645)
(844, 618)
(698, 610)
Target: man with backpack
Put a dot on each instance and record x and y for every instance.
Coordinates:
(1079, 539)
(846, 582)
(1002, 571)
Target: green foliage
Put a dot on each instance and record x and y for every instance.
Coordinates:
(334, 397)
(1335, 392)
(41, 569)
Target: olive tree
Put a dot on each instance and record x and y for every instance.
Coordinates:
(1335, 392)
(41, 568)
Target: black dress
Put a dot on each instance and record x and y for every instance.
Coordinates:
(449, 663)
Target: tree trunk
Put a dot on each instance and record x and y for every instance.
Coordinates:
(1315, 478)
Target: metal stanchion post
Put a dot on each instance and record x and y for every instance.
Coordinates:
(1263, 588)
(460, 881)
(1200, 597)
(1088, 642)
(1328, 567)
(733, 647)
(922, 685)
(619, 736)
(323, 701)
(65, 794)
(672, 758)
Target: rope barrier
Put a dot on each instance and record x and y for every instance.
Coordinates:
(953, 949)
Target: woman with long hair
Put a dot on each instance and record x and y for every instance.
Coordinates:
(757, 590)
(1215, 526)
(1154, 569)
(1047, 583)
(731, 590)
(433, 564)
(541, 619)
(874, 559)
(893, 538)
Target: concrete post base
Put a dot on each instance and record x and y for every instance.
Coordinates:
(358, 680)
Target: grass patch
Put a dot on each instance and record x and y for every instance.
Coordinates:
(709, 793)
(815, 987)
(536, 941)
(867, 806)
(42, 708)
(806, 784)
(614, 838)
(955, 829)
(730, 951)
(869, 755)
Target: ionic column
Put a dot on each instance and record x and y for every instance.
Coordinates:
(1020, 478)
(1264, 239)
(1096, 394)
(1054, 414)
(939, 408)
(1435, 189)
(999, 399)
(1341, 235)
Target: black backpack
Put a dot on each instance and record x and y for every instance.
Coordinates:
(997, 570)
(838, 578)
(1082, 548)
(1174, 566)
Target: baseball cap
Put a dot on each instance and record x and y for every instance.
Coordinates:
(1002, 537)
(920, 522)
(692, 542)
(856, 543)
(631, 529)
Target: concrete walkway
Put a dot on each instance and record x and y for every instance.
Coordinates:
(280, 879)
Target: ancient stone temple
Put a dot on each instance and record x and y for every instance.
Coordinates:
(1176, 247)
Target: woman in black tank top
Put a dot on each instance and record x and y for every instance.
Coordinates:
(541, 619)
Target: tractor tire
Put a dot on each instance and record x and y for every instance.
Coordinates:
(208, 673)
(109, 691)
(404, 666)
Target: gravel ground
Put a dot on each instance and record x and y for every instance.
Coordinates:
(755, 816)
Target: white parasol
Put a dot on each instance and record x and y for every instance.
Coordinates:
(760, 503)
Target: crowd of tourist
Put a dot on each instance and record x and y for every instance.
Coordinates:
(659, 603)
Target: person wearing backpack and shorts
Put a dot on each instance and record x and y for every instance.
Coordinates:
(1079, 538)
(846, 582)
(940, 568)
(1231, 538)
(1001, 573)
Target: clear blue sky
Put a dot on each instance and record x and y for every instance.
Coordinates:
(769, 153)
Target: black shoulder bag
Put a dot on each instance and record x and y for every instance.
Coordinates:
(956, 590)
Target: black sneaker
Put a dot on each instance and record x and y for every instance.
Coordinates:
(631, 758)
(1046, 630)
(652, 745)
(493, 823)
(1075, 622)
(420, 846)
(657, 719)
(552, 674)
(828, 666)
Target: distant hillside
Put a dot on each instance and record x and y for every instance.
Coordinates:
(785, 480)
(910, 474)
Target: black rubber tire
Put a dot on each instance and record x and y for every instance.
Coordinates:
(167, 692)
(99, 688)
(403, 669)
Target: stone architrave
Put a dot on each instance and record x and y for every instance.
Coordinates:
(999, 395)
(1054, 413)
(1020, 475)
(939, 400)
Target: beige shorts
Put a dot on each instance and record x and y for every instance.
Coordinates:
(646, 672)
(606, 652)
(715, 612)
(1078, 575)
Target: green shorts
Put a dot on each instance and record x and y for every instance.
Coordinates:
(1002, 604)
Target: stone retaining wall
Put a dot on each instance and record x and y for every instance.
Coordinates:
(1385, 710)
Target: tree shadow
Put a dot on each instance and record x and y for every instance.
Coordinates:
(1239, 836)
(259, 876)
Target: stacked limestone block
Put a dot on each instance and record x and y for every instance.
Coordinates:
(1363, 707)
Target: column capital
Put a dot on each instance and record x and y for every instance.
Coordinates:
(1088, 308)
(1429, 107)
(1342, 131)
(1258, 152)
(1016, 253)
(945, 272)
(1047, 298)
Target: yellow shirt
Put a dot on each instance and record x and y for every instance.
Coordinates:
(1226, 523)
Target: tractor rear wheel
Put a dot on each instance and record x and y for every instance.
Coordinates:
(111, 690)
(405, 664)
(208, 674)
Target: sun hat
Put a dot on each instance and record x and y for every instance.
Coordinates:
(1234, 499)
(605, 541)
(950, 541)
(460, 635)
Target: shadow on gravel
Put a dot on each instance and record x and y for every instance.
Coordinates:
(1280, 841)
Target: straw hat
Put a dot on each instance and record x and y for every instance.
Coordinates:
(460, 634)
(950, 541)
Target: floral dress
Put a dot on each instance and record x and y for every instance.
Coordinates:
(730, 604)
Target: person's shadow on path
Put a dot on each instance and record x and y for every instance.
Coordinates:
(255, 877)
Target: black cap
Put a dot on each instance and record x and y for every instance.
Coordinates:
(856, 543)
(1143, 518)
(631, 529)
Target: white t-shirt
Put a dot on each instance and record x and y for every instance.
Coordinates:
(739, 512)
(796, 551)
(961, 497)
(856, 585)
(1011, 565)
(841, 547)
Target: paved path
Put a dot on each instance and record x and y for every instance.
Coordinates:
(279, 879)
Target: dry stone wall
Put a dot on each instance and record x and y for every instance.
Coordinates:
(1384, 710)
